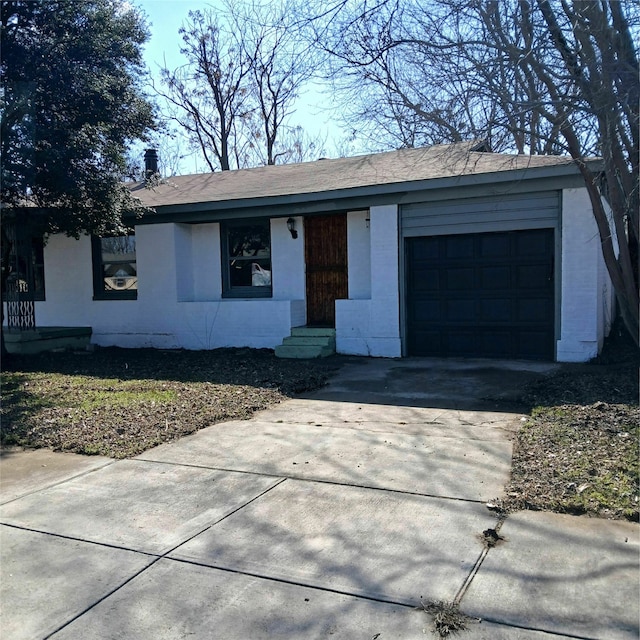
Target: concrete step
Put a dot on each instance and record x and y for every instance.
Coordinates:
(41, 339)
(312, 341)
(313, 332)
(303, 351)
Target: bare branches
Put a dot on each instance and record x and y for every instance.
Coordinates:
(532, 76)
(245, 69)
(210, 93)
(281, 66)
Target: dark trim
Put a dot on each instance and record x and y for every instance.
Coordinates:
(38, 296)
(240, 292)
(23, 243)
(99, 292)
(116, 295)
(244, 293)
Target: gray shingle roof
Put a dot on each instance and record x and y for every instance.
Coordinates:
(339, 175)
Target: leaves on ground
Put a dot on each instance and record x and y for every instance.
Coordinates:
(578, 459)
(578, 452)
(121, 402)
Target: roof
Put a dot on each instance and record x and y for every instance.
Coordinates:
(342, 178)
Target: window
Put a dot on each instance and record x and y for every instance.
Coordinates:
(246, 259)
(26, 265)
(115, 275)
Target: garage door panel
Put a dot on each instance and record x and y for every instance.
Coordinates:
(496, 310)
(459, 247)
(495, 277)
(427, 248)
(459, 310)
(535, 276)
(534, 243)
(534, 311)
(458, 343)
(494, 246)
(533, 342)
(426, 280)
(431, 338)
(487, 343)
(460, 279)
(427, 311)
(494, 295)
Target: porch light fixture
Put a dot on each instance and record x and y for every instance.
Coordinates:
(291, 225)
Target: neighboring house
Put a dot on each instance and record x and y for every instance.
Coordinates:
(442, 251)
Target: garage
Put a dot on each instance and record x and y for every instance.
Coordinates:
(485, 294)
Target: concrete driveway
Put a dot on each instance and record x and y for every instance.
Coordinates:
(337, 515)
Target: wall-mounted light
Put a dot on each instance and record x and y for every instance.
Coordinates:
(291, 225)
(367, 220)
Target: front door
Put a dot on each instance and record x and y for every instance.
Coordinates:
(326, 260)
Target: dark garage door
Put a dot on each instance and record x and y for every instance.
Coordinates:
(481, 295)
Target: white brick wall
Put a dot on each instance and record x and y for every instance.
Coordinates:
(287, 261)
(359, 255)
(586, 295)
(372, 326)
(180, 302)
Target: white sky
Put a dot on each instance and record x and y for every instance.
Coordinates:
(165, 18)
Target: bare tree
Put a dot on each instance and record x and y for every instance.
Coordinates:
(532, 76)
(210, 94)
(407, 80)
(245, 70)
(281, 65)
(579, 65)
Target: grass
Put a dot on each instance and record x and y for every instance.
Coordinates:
(119, 403)
(576, 453)
(85, 393)
(579, 459)
(447, 617)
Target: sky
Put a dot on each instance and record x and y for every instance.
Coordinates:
(165, 18)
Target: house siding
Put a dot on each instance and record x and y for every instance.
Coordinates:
(507, 212)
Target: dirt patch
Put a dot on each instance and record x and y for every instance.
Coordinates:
(578, 451)
(121, 402)
(578, 459)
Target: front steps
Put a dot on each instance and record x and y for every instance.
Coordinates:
(39, 339)
(308, 342)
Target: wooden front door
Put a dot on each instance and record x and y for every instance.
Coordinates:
(326, 260)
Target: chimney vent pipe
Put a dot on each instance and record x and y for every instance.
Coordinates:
(150, 163)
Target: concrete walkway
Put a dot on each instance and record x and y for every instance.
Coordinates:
(332, 516)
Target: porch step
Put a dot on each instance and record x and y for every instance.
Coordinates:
(303, 352)
(307, 342)
(39, 339)
(311, 341)
(307, 332)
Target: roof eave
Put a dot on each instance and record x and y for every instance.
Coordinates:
(354, 197)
